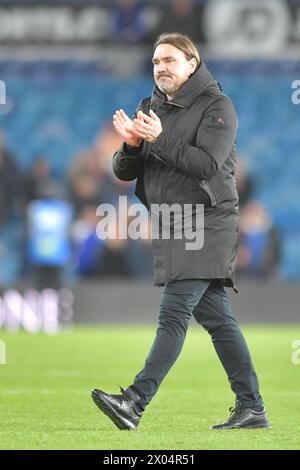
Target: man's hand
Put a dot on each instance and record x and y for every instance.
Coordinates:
(147, 127)
(124, 126)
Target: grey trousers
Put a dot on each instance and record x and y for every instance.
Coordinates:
(208, 302)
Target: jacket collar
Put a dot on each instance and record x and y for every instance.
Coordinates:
(193, 87)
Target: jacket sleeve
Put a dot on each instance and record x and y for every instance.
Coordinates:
(215, 138)
(127, 161)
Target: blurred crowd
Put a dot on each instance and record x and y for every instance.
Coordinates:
(73, 243)
(130, 23)
(89, 183)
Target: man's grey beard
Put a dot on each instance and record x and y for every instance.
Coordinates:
(167, 90)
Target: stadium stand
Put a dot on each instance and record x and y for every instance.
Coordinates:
(57, 108)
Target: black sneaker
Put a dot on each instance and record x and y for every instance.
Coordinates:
(244, 418)
(121, 409)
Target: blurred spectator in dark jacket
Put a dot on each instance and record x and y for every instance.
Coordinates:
(259, 247)
(84, 181)
(244, 183)
(39, 183)
(128, 24)
(106, 144)
(91, 180)
(10, 188)
(182, 18)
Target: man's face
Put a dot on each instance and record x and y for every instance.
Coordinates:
(171, 68)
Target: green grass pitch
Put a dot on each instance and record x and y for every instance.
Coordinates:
(45, 391)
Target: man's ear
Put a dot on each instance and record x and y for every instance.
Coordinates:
(193, 64)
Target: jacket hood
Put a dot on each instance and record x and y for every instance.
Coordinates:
(192, 88)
